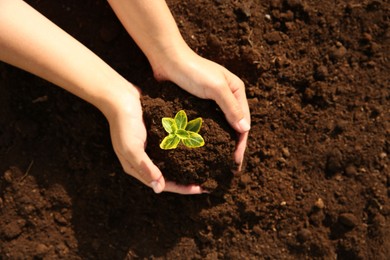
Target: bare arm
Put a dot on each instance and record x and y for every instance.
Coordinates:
(151, 25)
(33, 43)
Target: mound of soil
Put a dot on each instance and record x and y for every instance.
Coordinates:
(316, 182)
(209, 166)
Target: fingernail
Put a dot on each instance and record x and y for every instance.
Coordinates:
(244, 125)
(156, 186)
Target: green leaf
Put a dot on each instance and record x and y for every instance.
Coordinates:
(194, 125)
(169, 125)
(180, 129)
(195, 140)
(181, 119)
(170, 142)
(182, 134)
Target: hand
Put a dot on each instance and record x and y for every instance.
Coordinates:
(206, 79)
(128, 134)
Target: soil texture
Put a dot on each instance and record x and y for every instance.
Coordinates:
(316, 181)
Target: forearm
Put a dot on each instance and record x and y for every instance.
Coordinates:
(152, 26)
(31, 42)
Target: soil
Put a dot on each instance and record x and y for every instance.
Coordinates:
(210, 166)
(316, 182)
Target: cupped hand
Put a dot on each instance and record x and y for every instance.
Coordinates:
(128, 135)
(206, 79)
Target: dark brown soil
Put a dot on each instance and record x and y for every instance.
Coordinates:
(316, 182)
(209, 166)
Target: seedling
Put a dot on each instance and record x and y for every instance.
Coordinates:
(179, 129)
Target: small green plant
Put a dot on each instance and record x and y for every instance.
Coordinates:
(179, 129)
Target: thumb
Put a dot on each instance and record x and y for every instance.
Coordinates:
(148, 173)
(158, 185)
(152, 175)
(232, 108)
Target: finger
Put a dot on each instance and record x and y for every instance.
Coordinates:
(230, 100)
(183, 189)
(150, 173)
(142, 168)
(232, 111)
(240, 95)
(240, 151)
(242, 138)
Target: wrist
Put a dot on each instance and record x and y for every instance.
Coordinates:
(119, 98)
(168, 62)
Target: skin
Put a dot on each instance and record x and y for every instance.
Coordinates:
(35, 44)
